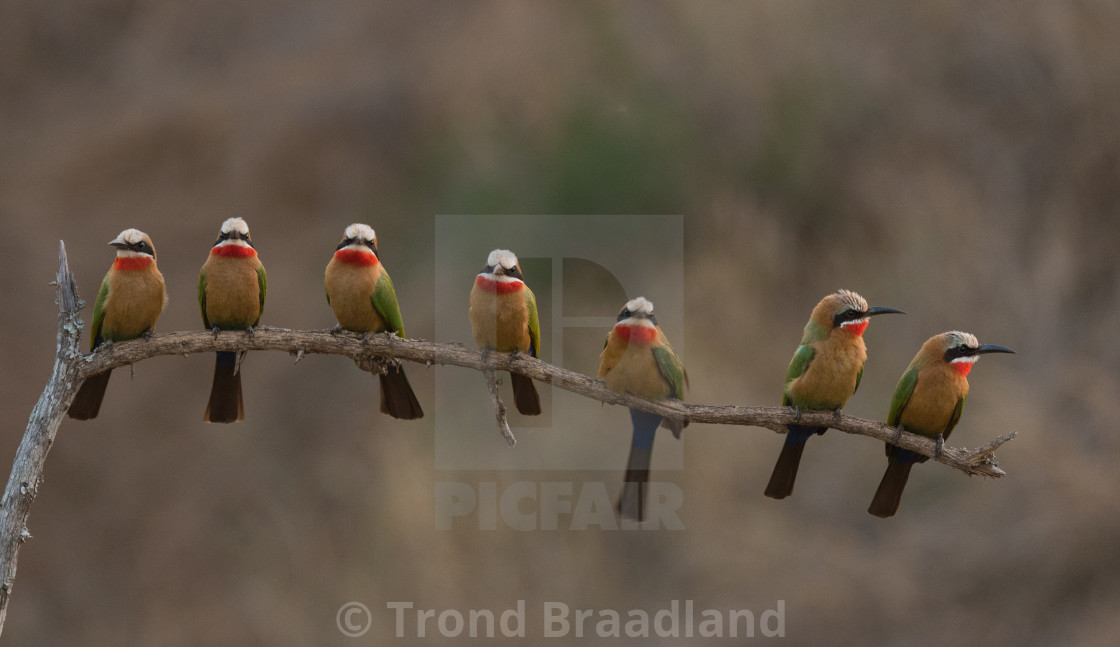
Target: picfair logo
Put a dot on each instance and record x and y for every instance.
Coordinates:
(581, 269)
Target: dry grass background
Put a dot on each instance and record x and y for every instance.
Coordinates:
(958, 160)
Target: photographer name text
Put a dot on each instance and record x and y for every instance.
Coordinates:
(679, 619)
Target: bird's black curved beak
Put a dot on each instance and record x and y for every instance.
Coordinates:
(992, 348)
(879, 310)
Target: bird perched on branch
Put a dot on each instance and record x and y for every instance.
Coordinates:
(362, 297)
(503, 313)
(128, 304)
(824, 373)
(231, 291)
(637, 359)
(928, 401)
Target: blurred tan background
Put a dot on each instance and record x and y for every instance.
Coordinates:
(958, 160)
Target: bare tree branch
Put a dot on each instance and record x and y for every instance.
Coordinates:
(27, 469)
(369, 352)
(363, 347)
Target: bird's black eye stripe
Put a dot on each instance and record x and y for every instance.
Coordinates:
(959, 351)
(625, 314)
(489, 269)
(346, 242)
(653, 319)
(846, 315)
(515, 273)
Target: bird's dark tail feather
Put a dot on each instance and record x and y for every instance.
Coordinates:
(525, 395)
(87, 402)
(225, 395)
(887, 497)
(785, 470)
(397, 398)
(631, 505)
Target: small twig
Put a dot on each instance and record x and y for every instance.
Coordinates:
(499, 407)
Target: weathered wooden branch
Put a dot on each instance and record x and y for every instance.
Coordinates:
(27, 469)
(362, 347)
(368, 350)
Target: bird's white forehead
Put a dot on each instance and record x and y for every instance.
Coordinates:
(502, 257)
(853, 300)
(131, 236)
(960, 338)
(641, 304)
(359, 231)
(235, 224)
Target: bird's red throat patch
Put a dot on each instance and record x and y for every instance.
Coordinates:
(129, 263)
(233, 251)
(497, 287)
(636, 334)
(356, 257)
(962, 368)
(854, 327)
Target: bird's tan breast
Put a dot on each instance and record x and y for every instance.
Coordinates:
(935, 397)
(500, 321)
(350, 288)
(632, 368)
(233, 296)
(831, 378)
(135, 299)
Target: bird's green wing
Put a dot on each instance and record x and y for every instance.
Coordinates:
(956, 417)
(859, 378)
(202, 297)
(262, 284)
(385, 303)
(902, 393)
(797, 367)
(671, 369)
(99, 314)
(534, 323)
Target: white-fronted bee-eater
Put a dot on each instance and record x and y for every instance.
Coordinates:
(128, 304)
(362, 297)
(231, 291)
(503, 314)
(824, 373)
(928, 401)
(637, 359)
